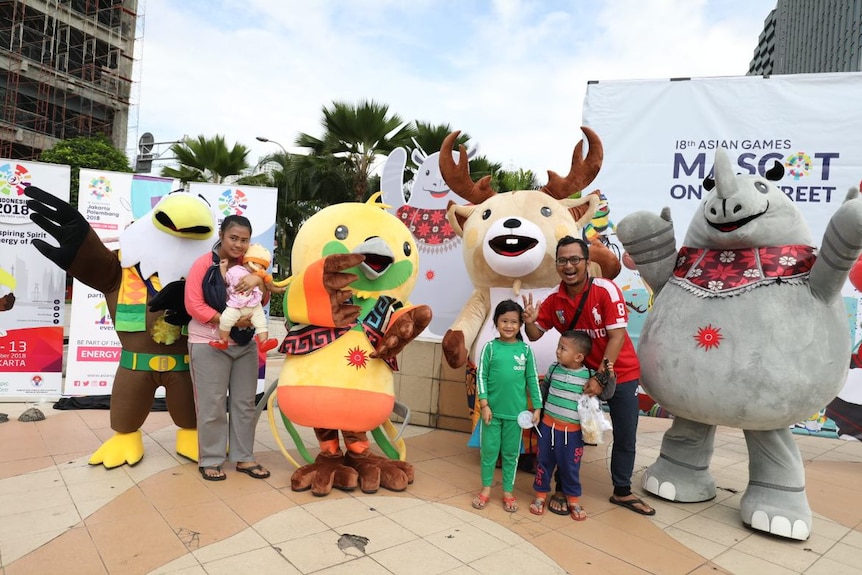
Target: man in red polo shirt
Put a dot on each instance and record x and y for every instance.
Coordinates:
(596, 306)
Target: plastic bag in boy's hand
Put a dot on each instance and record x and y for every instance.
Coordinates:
(593, 420)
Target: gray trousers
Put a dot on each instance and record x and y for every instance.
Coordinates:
(215, 374)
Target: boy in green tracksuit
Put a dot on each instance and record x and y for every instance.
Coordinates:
(506, 374)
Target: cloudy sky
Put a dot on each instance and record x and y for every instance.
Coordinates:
(511, 73)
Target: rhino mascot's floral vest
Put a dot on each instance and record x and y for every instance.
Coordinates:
(748, 330)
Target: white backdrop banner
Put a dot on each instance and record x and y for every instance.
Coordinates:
(32, 289)
(660, 138)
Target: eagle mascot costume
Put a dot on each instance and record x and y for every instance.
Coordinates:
(143, 286)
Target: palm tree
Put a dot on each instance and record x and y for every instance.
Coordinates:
(357, 135)
(430, 137)
(207, 160)
(481, 166)
(520, 180)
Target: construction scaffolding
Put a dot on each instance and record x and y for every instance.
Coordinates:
(65, 71)
(133, 122)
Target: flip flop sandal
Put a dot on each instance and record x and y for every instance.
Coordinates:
(480, 501)
(632, 504)
(218, 476)
(563, 505)
(537, 507)
(255, 471)
(510, 505)
(577, 512)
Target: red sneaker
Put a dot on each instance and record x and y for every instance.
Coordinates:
(219, 344)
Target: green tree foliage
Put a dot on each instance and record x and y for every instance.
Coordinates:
(358, 134)
(507, 181)
(429, 137)
(480, 166)
(205, 159)
(97, 153)
(305, 185)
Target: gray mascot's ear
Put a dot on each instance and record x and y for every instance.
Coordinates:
(776, 172)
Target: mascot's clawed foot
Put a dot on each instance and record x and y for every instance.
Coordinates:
(327, 471)
(775, 499)
(120, 449)
(375, 472)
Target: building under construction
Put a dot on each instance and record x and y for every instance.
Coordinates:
(65, 71)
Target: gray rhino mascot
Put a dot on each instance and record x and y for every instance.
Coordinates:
(748, 330)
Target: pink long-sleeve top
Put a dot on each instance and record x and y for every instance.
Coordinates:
(200, 330)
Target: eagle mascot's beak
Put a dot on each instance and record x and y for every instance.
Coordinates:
(184, 216)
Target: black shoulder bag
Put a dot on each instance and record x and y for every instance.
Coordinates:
(581, 304)
(215, 295)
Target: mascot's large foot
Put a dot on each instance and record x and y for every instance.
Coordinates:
(120, 449)
(675, 482)
(326, 472)
(775, 499)
(777, 511)
(375, 472)
(187, 444)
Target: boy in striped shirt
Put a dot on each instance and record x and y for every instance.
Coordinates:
(561, 443)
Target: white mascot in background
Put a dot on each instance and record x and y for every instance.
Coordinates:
(442, 282)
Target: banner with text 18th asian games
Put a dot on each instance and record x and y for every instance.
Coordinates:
(660, 138)
(32, 288)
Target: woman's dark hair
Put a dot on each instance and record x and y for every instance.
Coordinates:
(568, 240)
(506, 306)
(234, 220)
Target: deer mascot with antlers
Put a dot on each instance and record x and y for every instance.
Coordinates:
(509, 241)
